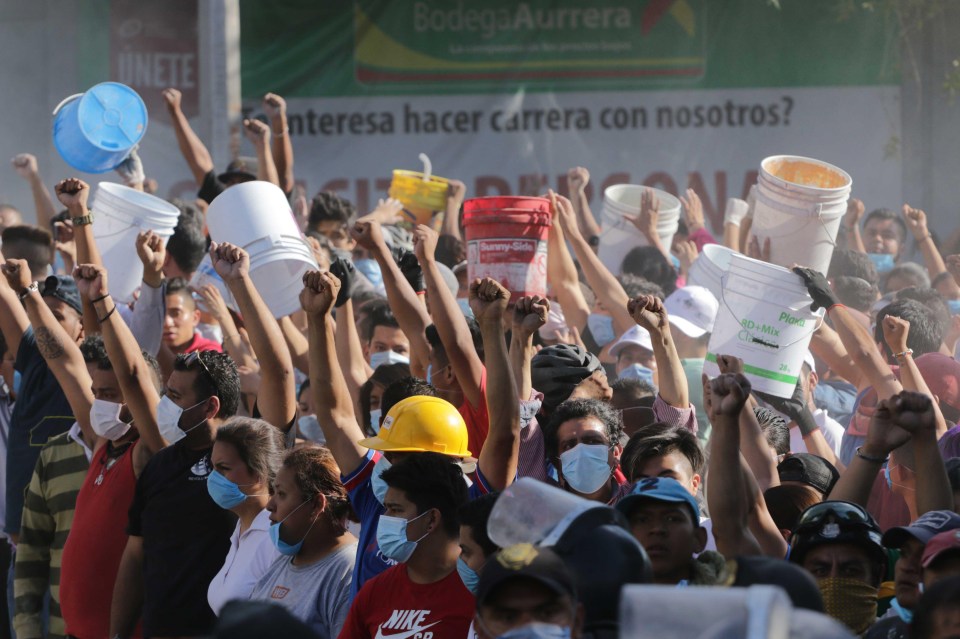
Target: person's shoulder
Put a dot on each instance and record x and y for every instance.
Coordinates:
(889, 628)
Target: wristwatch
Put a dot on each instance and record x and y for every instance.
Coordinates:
(594, 241)
(83, 220)
(32, 287)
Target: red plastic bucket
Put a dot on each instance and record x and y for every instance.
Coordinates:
(507, 241)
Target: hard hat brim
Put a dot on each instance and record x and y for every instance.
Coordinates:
(376, 443)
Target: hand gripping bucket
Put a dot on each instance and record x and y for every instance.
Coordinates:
(765, 320)
(507, 240)
(95, 131)
(257, 217)
(119, 215)
(618, 235)
(800, 203)
(206, 274)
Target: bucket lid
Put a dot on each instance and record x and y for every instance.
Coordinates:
(498, 202)
(112, 116)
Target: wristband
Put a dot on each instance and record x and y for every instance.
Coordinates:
(875, 460)
(107, 316)
(100, 299)
(805, 422)
(909, 351)
(834, 305)
(33, 286)
(594, 241)
(83, 220)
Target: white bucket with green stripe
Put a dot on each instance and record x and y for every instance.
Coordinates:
(765, 320)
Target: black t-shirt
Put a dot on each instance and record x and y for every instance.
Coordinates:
(186, 537)
(889, 628)
(211, 187)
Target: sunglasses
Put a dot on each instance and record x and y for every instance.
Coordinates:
(839, 511)
(194, 357)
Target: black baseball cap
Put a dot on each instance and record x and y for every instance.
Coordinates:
(244, 168)
(799, 584)
(530, 562)
(63, 288)
(809, 469)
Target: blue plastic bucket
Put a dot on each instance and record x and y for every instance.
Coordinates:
(95, 131)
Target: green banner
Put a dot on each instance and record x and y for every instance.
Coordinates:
(302, 48)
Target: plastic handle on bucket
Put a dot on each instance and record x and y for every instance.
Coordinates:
(427, 167)
(723, 298)
(57, 108)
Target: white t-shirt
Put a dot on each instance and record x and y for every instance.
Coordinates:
(831, 429)
(250, 557)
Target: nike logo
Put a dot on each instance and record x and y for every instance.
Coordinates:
(403, 635)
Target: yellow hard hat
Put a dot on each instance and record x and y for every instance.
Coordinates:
(422, 424)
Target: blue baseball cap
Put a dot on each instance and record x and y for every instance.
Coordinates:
(63, 288)
(659, 489)
(924, 528)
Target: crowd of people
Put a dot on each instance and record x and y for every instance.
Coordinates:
(187, 465)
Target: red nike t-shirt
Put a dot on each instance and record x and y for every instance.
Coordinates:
(390, 606)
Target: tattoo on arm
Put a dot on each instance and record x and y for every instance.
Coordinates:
(48, 343)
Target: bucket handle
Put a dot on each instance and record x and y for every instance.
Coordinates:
(427, 166)
(64, 101)
(723, 298)
(816, 211)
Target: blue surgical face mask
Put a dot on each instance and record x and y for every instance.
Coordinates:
(17, 378)
(884, 262)
(392, 537)
(636, 371)
(586, 467)
(675, 261)
(387, 357)
(537, 630)
(954, 306)
(310, 429)
(468, 575)
(283, 547)
(375, 419)
(464, 305)
(905, 615)
(376, 482)
(601, 327)
(370, 270)
(224, 492)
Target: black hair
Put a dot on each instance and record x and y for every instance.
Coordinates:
(786, 502)
(259, 444)
(188, 244)
(431, 480)
(943, 595)
(402, 389)
(385, 375)
(930, 298)
(433, 337)
(328, 206)
(316, 473)
(450, 250)
(649, 263)
(926, 331)
(887, 214)
(223, 379)
(855, 292)
(3, 348)
(850, 263)
(915, 274)
(634, 286)
(657, 440)
(34, 245)
(178, 285)
(93, 350)
(379, 315)
(475, 514)
(577, 409)
(361, 297)
(775, 429)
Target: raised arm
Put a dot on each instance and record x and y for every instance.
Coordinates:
(276, 109)
(501, 451)
(26, 167)
(752, 443)
(916, 221)
(650, 313)
(59, 351)
(277, 398)
(233, 343)
(529, 314)
(851, 222)
(193, 151)
(577, 179)
(259, 135)
(13, 319)
(297, 343)
(826, 345)
(451, 216)
(601, 281)
(149, 311)
(73, 193)
(896, 330)
(334, 408)
(133, 373)
(562, 276)
(647, 219)
(733, 216)
(916, 414)
(449, 319)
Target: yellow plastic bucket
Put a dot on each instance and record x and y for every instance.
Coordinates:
(420, 197)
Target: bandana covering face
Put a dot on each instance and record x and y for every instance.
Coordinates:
(849, 601)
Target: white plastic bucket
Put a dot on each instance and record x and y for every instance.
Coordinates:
(765, 320)
(531, 511)
(257, 217)
(618, 235)
(800, 203)
(120, 213)
(708, 269)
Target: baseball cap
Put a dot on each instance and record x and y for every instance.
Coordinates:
(925, 528)
(243, 167)
(635, 336)
(659, 489)
(556, 370)
(809, 469)
(63, 288)
(940, 544)
(942, 374)
(692, 310)
(757, 570)
(526, 561)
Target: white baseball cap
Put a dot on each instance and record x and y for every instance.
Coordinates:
(635, 336)
(692, 310)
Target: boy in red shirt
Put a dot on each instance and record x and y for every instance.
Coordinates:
(420, 530)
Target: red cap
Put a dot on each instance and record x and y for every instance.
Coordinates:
(939, 544)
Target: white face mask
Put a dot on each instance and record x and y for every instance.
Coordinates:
(387, 357)
(168, 420)
(310, 429)
(105, 420)
(375, 419)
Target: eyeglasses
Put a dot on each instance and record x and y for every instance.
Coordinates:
(194, 357)
(840, 511)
